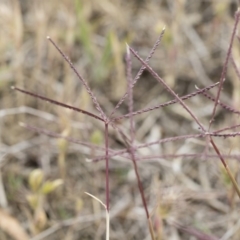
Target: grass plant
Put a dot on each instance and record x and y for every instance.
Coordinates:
(170, 166)
(131, 151)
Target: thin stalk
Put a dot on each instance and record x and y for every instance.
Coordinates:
(189, 155)
(107, 215)
(165, 140)
(195, 232)
(169, 156)
(107, 167)
(234, 182)
(130, 94)
(144, 145)
(140, 71)
(132, 131)
(235, 66)
(57, 103)
(161, 81)
(166, 103)
(224, 70)
(94, 99)
(69, 139)
(223, 74)
(150, 226)
(140, 187)
(223, 105)
(107, 225)
(227, 128)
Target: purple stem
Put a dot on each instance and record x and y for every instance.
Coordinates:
(170, 139)
(107, 167)
(139, 72)
(94, 99)
(160, 80)
(224, 70)
(69, 139)
(165, 104)
(230, 109)
(131, 148)
(57, 103)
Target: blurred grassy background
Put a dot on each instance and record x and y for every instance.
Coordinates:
(93, 34)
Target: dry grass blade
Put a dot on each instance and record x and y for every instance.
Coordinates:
(107, 167)
(11, 226)
(196, 233)
(97, 199)
(107, 214)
